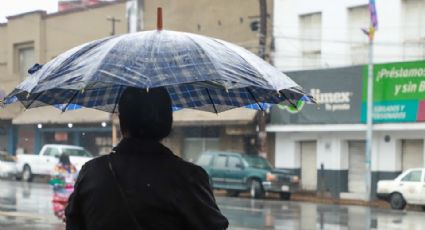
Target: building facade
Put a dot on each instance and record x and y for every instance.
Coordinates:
(37, 37)
(320, 34)
(325, 144)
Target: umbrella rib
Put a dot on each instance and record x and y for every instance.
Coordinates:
(35, 98)
(255, 99)
(289, 101)
(209, 95)
(69, 102)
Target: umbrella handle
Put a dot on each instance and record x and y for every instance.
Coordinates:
(159, 18)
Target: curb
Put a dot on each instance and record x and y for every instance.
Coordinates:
(313, 198)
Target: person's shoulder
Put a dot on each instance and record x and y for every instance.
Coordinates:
(191, 170)
(95, 162)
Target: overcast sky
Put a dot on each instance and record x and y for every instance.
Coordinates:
(12, 7)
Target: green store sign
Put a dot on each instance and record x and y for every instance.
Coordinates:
(398, 92)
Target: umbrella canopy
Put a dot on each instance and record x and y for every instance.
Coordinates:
(199, 72)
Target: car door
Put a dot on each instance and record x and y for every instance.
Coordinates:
(49, 159)
(410, 185)
(235, 173)
(218, 171)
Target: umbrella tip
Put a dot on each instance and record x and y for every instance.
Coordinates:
(159, 18)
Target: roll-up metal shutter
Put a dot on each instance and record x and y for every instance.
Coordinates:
(308, 165)
(412, 154)
(357, 167)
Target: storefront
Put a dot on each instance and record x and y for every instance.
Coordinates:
(334, 130)
(47, 125)
(8, 133)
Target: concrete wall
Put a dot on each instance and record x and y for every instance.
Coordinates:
(225, 19)
(67, 30)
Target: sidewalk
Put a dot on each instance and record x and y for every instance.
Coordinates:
(315, 198)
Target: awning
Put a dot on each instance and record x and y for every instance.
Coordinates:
(51, 115)
(239, 116)
(10, 111)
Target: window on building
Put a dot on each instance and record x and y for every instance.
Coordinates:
(220, 161)
(311, 37)
(413, 29)
(358, 18)
(413, 176)
(25, 58)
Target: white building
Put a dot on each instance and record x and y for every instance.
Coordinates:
(311, 34)
(325, 34)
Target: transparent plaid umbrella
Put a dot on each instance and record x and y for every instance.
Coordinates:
(199, 72)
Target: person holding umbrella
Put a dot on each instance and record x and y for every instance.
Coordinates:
(142, 184)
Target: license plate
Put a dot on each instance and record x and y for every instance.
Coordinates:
(285, 188)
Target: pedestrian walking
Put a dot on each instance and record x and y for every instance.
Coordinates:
(63, 180)
(142, 184)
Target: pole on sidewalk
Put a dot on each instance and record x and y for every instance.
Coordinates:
(369, 132)
(262, 134)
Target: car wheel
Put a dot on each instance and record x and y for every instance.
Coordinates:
(255, 189)
(397, 201)
(27, 174)
(285, 195)
(232, 193)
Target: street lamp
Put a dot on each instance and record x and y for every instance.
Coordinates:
(103, 124)
(39, 126)
(70, 125)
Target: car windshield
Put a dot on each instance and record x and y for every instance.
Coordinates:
(257, 162)
(78, 152)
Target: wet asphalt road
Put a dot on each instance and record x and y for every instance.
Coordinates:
(28, 206)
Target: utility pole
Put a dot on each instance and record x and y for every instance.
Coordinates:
(113, 21)
(134, 14)
(261, 118)
(263, 29)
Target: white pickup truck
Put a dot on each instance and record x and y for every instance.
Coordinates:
(43, 164)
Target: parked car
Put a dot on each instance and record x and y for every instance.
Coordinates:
(237, 173)
(43, 163)
(407, 188)
(8, 167)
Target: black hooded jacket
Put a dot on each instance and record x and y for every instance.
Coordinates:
(164, 192)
